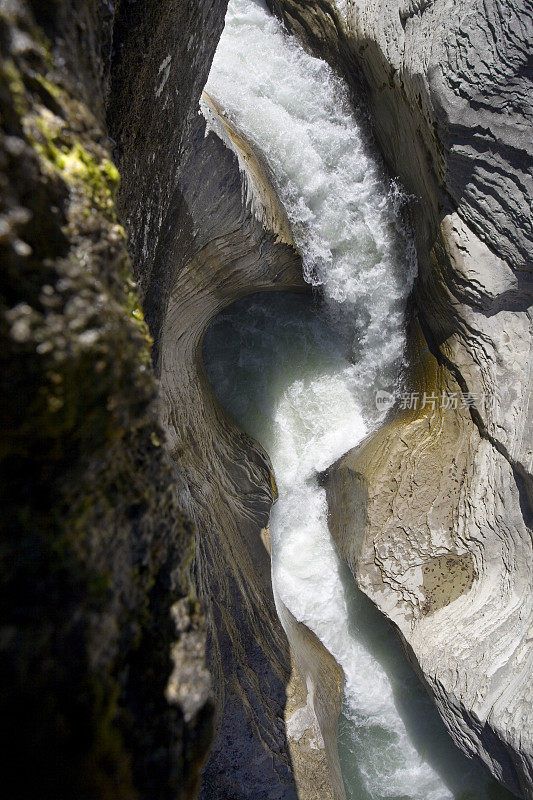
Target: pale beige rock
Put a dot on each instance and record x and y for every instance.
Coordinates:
(434, 512)
(239, 242)
(312, 712)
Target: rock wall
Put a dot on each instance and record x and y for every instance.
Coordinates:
(94, 542)
(161, 56)
(434, 512)
(103, 637)
(241, 243)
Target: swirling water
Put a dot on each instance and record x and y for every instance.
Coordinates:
(301, 377)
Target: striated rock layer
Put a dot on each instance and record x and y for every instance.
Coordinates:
(241, 242)
(434, 511)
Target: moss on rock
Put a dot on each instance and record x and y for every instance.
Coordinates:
(92, 534)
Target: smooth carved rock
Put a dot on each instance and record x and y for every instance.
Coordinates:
(193, 237)
(239, 241)
(414, 511)
(448, 496)
(314, 700)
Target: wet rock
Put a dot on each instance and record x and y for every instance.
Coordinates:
(238, 241)
(94, 541)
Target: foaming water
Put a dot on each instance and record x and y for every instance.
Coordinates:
(278, 366)
(343, 214)
(302, 380)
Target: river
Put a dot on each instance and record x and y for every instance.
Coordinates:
(301, 375)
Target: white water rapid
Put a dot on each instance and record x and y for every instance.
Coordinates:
(301, 378)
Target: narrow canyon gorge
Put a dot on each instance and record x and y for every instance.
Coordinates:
(267, 422)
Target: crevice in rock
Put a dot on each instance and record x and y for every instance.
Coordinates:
(475, 414)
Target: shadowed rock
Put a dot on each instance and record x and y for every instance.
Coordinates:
(94, 542)
(241, 242)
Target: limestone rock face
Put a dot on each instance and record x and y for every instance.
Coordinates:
(238, 241)
(434, 511)
(162, 54)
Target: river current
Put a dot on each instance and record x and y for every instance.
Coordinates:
(301, 375)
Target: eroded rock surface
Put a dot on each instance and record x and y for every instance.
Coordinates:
(434, 512)
(96, 558)
(241, 242)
